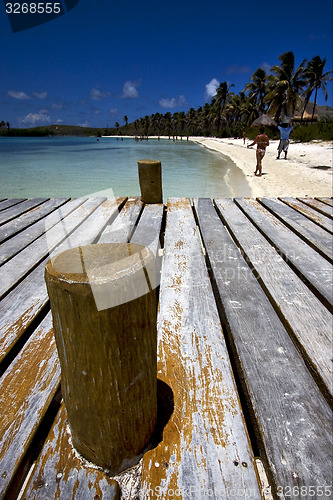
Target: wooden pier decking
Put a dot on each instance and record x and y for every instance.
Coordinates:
(244, 348)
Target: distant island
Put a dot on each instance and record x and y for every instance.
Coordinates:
(52, 130)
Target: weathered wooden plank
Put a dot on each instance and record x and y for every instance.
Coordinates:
(58, 468)
(318, 205)
(205, 446)
(91, 228)
(22, 304)
(10, 203)
(60, 473)
(148, 230)
(311, 266)
(315, 236)
(20, 307)
(26, 390)
(28, 218)
(16, 268)
(311, 213)
(17, 243)
(121, 229)
(328, 201)
(19, 209)
(294, 430)
(309, 320)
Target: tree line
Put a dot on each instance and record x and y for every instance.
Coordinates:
(282, 92)
(4, 125)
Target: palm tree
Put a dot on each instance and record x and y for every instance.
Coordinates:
(126, 120)
(192, 120)
(219, 102)
(285, 86)
(236, 110)
(316, 79)
(258, 89)
(155, 120)
(146, 123)
(181, 122)
(167, 117)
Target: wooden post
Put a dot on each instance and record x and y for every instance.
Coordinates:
(107, 348)
(150, 179)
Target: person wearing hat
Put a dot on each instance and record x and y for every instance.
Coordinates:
(285, 130)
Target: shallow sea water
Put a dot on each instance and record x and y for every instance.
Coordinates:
(74, 167)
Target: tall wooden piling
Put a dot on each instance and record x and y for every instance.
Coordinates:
(104, 316)
(150, 179)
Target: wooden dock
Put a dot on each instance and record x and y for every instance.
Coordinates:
(244, 348)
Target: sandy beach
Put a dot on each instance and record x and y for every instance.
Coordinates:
(306, 172)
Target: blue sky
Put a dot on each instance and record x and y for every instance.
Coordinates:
(108, 58)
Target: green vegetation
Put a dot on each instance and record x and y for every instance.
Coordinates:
(286, 91)
(52, 130)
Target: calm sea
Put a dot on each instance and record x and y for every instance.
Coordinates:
(74, 167)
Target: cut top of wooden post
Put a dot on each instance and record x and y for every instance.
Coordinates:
(150, 179)
(116, 273)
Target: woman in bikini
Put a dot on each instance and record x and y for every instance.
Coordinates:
(262, 142)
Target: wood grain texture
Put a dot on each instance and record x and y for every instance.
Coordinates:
(150, 180)
(27, 219)
(328, 201)
(4, 204)
(291, 416)
(311, 213)
(20, 265)
(20, 307)
(26, 391)
(315, 236)
(121, 229)
(18, 242)
(60, 473)
(107, 354)
(322, 207)
(311, 266)
(264, 306)
(28, 298)
(205, 449)
(19, 209)
(308, 319)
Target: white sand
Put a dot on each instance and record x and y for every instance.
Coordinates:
(296, 176)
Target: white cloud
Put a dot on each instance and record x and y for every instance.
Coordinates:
(211, 87)
(17, 94)
(40, 95)
(173, 102)
(114, 111)
(36, 118)
(97, 95)
(130, 90)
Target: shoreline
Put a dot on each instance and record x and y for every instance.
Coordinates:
(306, 172)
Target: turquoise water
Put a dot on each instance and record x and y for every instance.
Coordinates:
(73, 167)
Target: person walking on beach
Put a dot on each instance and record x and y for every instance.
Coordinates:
(284, 137)
(262, 142)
